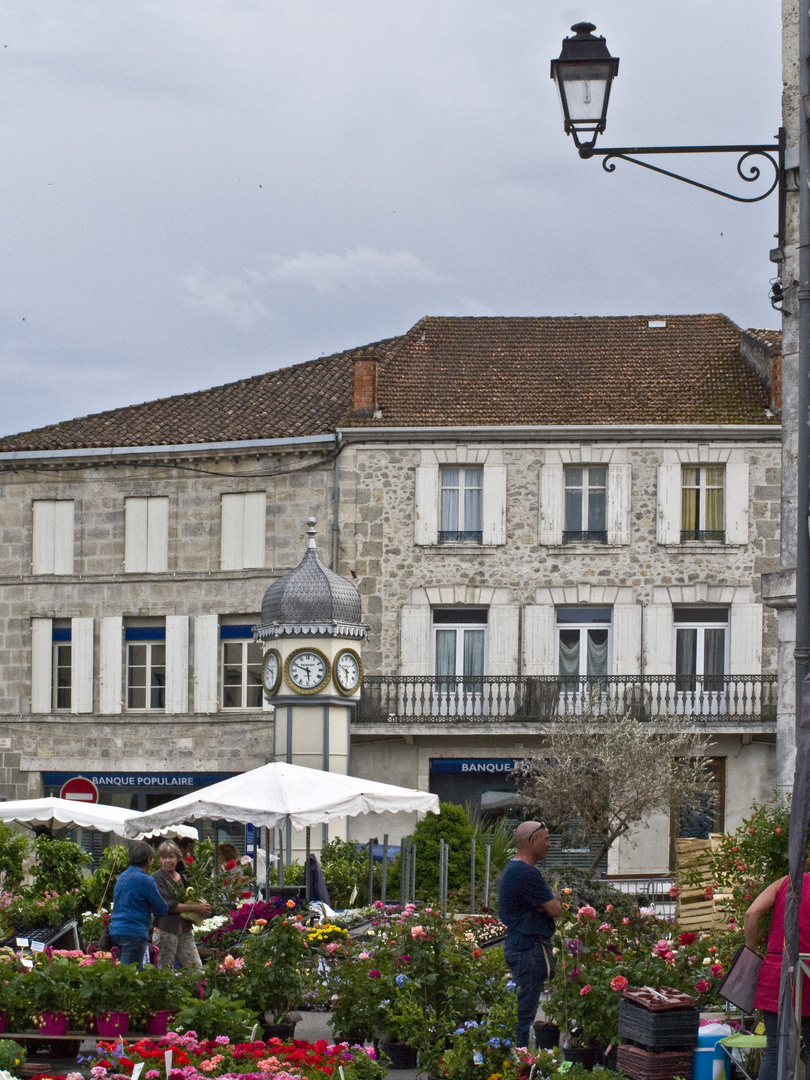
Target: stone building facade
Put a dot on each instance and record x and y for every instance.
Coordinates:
(542, 517)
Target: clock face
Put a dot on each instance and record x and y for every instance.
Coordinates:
(348, 671)
(307, 670)
(271, 671)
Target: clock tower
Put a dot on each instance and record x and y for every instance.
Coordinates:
(312, 632)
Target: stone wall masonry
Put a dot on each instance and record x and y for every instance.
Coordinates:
(377, 549)
(153, 744)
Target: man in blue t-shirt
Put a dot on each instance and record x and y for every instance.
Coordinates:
(528, 908)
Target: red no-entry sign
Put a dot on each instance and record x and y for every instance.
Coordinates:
(79, 789)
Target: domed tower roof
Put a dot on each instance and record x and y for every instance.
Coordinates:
(311, 599)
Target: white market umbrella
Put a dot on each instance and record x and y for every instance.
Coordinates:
(277, 793)
(59, 815)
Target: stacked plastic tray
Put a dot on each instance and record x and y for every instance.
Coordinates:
(658, 1028)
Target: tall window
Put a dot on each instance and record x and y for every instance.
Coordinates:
(53, 537)
(462, 489)
(241, 668)
(702, 503)
(701, 648)
(460, 647)
(146, 667)
(585, 504)
(61, 679)
(584, 645)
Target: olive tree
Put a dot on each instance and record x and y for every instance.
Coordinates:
(607, 774)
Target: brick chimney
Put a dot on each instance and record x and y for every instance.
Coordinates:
(364, 385)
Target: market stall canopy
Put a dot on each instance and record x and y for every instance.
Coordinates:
(61, 815)
(277, 793)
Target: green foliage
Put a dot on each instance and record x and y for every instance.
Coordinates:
(587, 888)
(345, 867)
(99, 887)
(275, 964)
(216, 1015)
(13, 850)
(58, 866)
(484, 1046)
(107, 986)
(158, 989)
(751, 857)
(12, 1056)
(455, 825)
(54, 984)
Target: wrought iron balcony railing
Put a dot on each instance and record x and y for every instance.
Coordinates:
(726, 699)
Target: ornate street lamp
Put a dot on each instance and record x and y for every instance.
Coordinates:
(584, 72)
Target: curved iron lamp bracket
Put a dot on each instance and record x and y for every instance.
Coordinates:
(747, 169)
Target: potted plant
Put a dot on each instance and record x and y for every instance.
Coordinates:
(110, 991)
(161, 992)
(273, 977)
(217, 1015)
(52, 990)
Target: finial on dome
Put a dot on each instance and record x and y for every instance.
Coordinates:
(311, 522)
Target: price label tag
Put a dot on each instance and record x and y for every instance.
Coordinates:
(137, 1070)
(22, 942)
(37, 946)
(168, 1059)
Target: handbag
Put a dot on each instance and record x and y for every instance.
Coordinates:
(739, 984)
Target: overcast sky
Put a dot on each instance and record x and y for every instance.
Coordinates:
(194, 191)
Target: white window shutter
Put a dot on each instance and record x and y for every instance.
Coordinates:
(659, 641)
(626, 639)
(157, 535)
(206, 663)
(254, 529)
(41, 664)
(502, 628)
(63, 537)
(745, 640)
(618, 504)
(539, 639)
(737, 503)
(494, 504)
(111, 653)
(177, 663)
(414, 640)
(551, 504)
(81, 662)
(426, 516)
(231, 532)
(135, 535)
(669, 503)
(43, 545)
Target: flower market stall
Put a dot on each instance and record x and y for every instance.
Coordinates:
(63, 815)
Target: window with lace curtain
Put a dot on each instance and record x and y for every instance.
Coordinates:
(459, 636)
(583, 636)
(461, 504)
(703, 503)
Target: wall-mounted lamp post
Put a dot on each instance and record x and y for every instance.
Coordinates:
(584, 73)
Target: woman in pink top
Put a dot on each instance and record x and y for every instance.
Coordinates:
(767, 996)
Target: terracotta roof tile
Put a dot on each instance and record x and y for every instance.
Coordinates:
(461, 372)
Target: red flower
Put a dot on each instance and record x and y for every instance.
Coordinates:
(702, 986)
(687, 939)
(708, 893)
(674, 892)
(230, 865)
(189, 859)
(585, 990)
(716, 969)
(619, 983)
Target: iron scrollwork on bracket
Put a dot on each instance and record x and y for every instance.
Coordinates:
(747, 169)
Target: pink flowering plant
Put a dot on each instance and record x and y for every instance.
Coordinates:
(601, 953)
(414, 979)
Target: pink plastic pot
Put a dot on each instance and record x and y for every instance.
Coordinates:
(52, 1023)
(112, 1023)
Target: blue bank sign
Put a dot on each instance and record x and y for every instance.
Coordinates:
(504, 766)
(181, 781)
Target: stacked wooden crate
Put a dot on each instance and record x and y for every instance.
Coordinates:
(698, 907)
